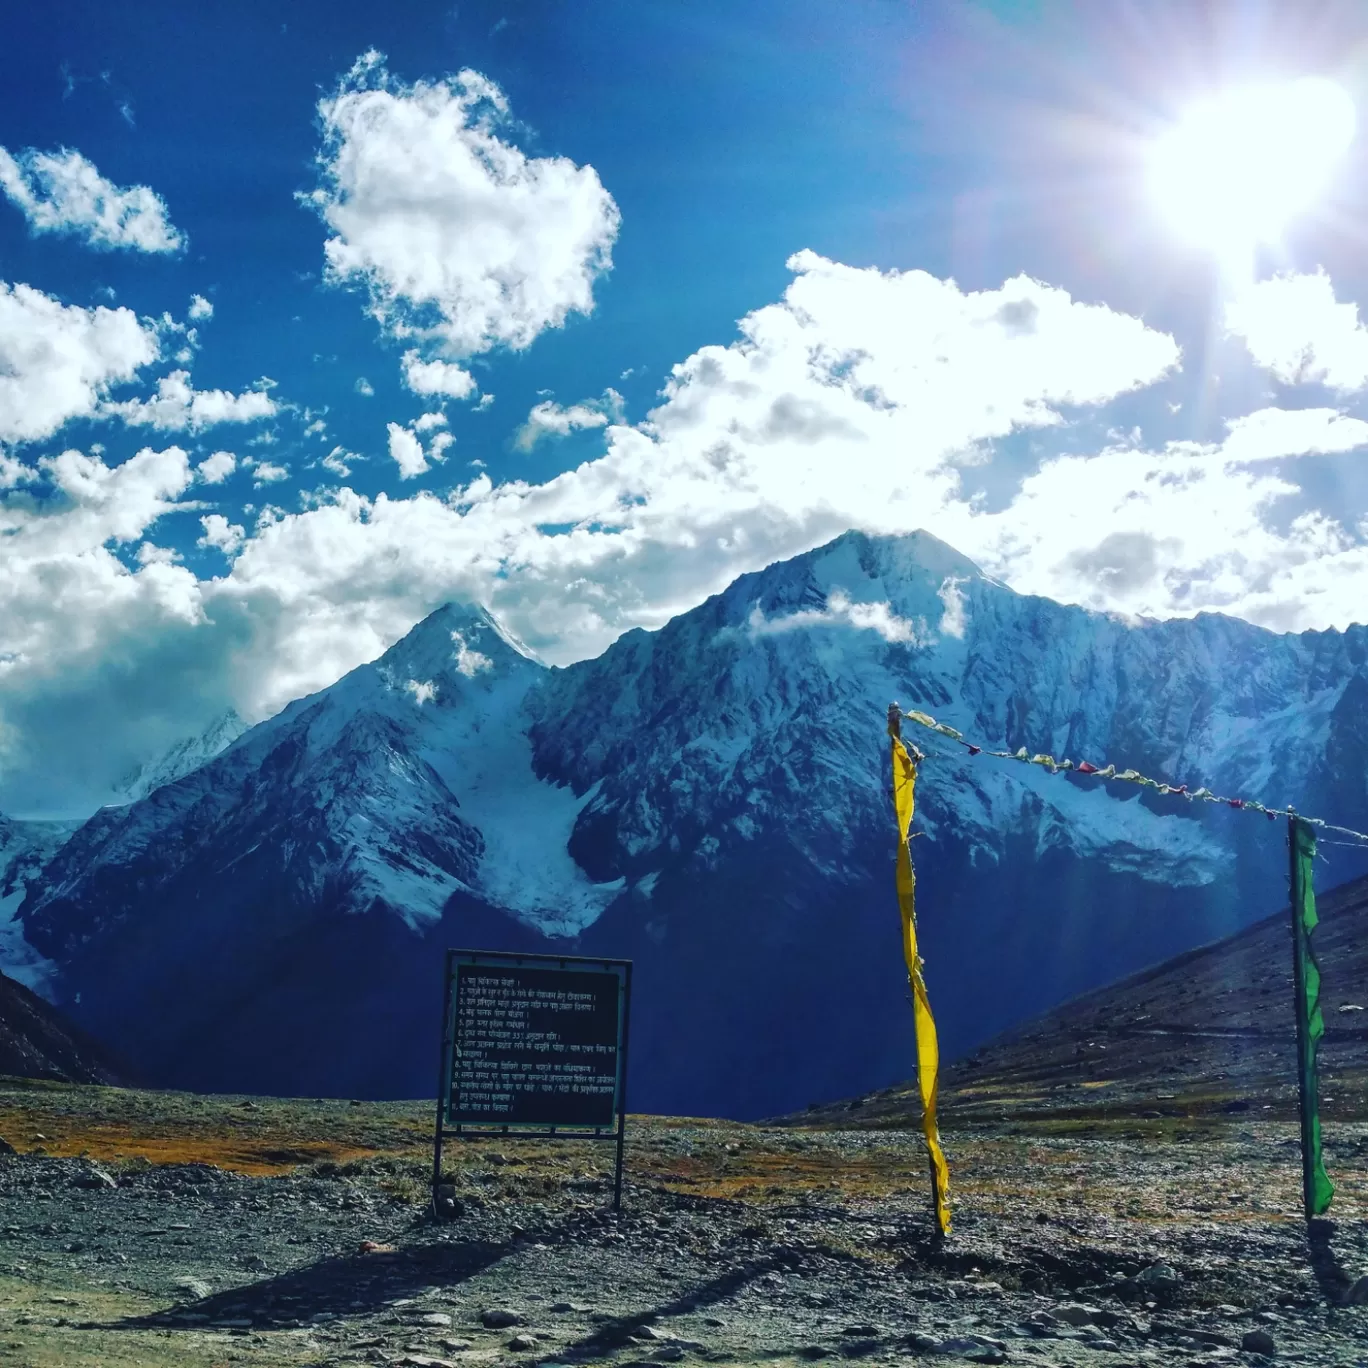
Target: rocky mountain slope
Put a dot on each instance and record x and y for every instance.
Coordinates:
(183, 758)
(25, 847)
(37, 1042)
(1208, 1033)
(710, 800)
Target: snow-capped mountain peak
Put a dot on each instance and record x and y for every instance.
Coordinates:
(181, 759)
(710, 799)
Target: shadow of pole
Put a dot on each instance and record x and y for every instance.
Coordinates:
(1336, 1285)
(352, 1285)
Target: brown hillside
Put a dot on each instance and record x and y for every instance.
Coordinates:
(1209, 1031)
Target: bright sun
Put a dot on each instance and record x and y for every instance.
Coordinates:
(1236, 168)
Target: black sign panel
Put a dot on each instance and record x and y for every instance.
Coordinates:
(535, 1041)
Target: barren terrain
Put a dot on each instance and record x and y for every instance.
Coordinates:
(199, 1231)
(1126, 1192)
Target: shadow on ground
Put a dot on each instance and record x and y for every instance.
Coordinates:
(355, 1285)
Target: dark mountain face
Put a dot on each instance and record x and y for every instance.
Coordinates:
(1211, 1031)
(711, 801)
(36, 1041)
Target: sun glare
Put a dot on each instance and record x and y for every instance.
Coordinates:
(1236, 168)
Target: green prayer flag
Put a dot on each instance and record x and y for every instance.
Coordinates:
(1317, 1189)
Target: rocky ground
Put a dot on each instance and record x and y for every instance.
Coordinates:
(201, 1231)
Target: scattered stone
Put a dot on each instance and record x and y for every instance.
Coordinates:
(1159, 1277)
(195, 1288)
(973, 1349)
(439, 1320)
(1074, 1313)
(1357, 1295)
(374, 1247)
(1259, 1342)
(93, 1178)
(6, 1148)
(522, 1343)
(499, 1318)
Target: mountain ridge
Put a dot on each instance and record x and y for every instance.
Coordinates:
(710, 799)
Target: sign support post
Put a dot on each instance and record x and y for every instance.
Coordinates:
(532, 1045)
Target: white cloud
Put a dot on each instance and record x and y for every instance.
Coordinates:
(1295, 328)
(549, 419)
(221, 534)
(200, 307)
(62, 192)
(462, 242)
(423, 690)
(1186, 529)
(954, 618)
(151, 554)
(841, 611)
(469, 661)
(264, 473)
(178, 406)
(339, 460)
(364, 387)
(406, 451)
(59, 361)
(849, 402)
(436, 377)
(216, 468)
(406, 445)
(1271, 433)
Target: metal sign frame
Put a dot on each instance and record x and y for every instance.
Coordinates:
(446, 1129)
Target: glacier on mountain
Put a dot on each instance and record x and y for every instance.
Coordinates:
(711, 800)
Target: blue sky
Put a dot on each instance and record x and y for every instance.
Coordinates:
(961, 311)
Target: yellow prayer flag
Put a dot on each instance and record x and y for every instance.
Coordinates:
(928, 1049)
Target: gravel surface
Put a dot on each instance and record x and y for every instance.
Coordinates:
(737, 1244)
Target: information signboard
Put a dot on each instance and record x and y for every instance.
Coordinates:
(533, 1045)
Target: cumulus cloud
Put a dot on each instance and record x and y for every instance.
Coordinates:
(216, 468)
(406, 446)
(954, 617)
(221, 534)
(1296, 329)
(339, 461)
(436, 377)
(62, 192)
(364, 387)
(406, 451)
(461, 241)
(59, 361)
(840, 611)
(266, 472)
(1186, 528)
(423, 690)
(469, 661)
(200, 308)
(549, 419)
(88, 639)
(851, 401)
(178, 406)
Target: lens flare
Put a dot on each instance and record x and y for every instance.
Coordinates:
(1236, 168)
